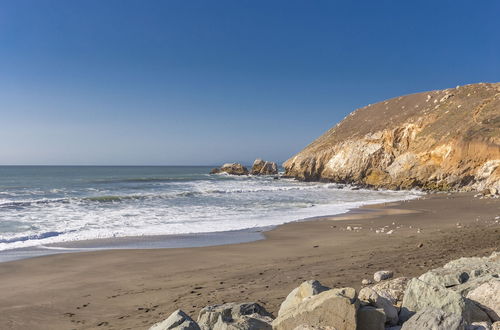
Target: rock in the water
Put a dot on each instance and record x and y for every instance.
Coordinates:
(231, 168)
(371, 297)
(393, 289)
(332, 308)
(249, 316)
(178, 320)
(261, 167)
(370, 318)
(303, 291)
(434, 319)
(420, 295)
(382, 275)
(487, 297)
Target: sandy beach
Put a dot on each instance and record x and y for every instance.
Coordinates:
(132, 289)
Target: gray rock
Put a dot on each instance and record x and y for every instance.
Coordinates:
(245, 322)
(371, 297)
(446, 277)
(434, 319)
(303, 291)
(332, 308)
(479, 326)
(370, 318)
(235, 314)
(487, 297)
(178, 320)
(382, 275)
(420, 295)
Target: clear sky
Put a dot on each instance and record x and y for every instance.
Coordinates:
(205, 82)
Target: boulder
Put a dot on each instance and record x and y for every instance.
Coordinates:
(231, 168)
(261, 167)
(393, 289)
(420, 295)
(382, 275)
(303, 291)
(435, 319)
(487, 297)
(332, 308)
(370, 296)
(311, 327)
(178, 320)
(479, 326)
(446, 277)
(495, 326)
(234, 316)
(370, 318)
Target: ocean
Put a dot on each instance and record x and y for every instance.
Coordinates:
(44, 206)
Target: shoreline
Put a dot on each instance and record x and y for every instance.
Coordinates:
(133, 289)
(172, 241)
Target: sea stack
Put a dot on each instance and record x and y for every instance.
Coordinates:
(439, 140)
(231, 168)
(262, 167)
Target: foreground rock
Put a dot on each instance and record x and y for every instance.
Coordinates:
(392, 289)
(305, 290)
(332, 308)
(231, 168)
(178, 320)
(439, 140)
(487, 297)
(371, 297)
(234, 316)
(262, 167)
(435, 319)
(420, 296)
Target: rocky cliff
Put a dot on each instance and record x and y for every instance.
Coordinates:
(441, 140)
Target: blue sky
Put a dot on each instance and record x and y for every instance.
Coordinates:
(205, 82)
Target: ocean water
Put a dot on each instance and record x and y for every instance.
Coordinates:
(42, 205)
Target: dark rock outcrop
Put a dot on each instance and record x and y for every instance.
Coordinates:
(231, 168)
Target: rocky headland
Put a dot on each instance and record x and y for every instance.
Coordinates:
(464, 294)
(439, 140)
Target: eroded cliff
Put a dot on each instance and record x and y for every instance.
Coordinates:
(444, 140)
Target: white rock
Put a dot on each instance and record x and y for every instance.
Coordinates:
(382, 275)
(296, 296)
(178, 320)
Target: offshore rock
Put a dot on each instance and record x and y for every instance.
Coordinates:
(261, 167)
(231, 168)
(440, 140)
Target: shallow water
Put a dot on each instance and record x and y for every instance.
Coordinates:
(51, 204)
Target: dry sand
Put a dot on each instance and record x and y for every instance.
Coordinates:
(132, 289)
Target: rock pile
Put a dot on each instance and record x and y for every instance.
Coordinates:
(230, 168)
(464, 294)
(262, 167)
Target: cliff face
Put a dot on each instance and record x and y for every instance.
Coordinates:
(445, 139)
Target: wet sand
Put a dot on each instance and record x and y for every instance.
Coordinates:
(132, 289)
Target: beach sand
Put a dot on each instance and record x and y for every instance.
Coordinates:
(132, 289)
